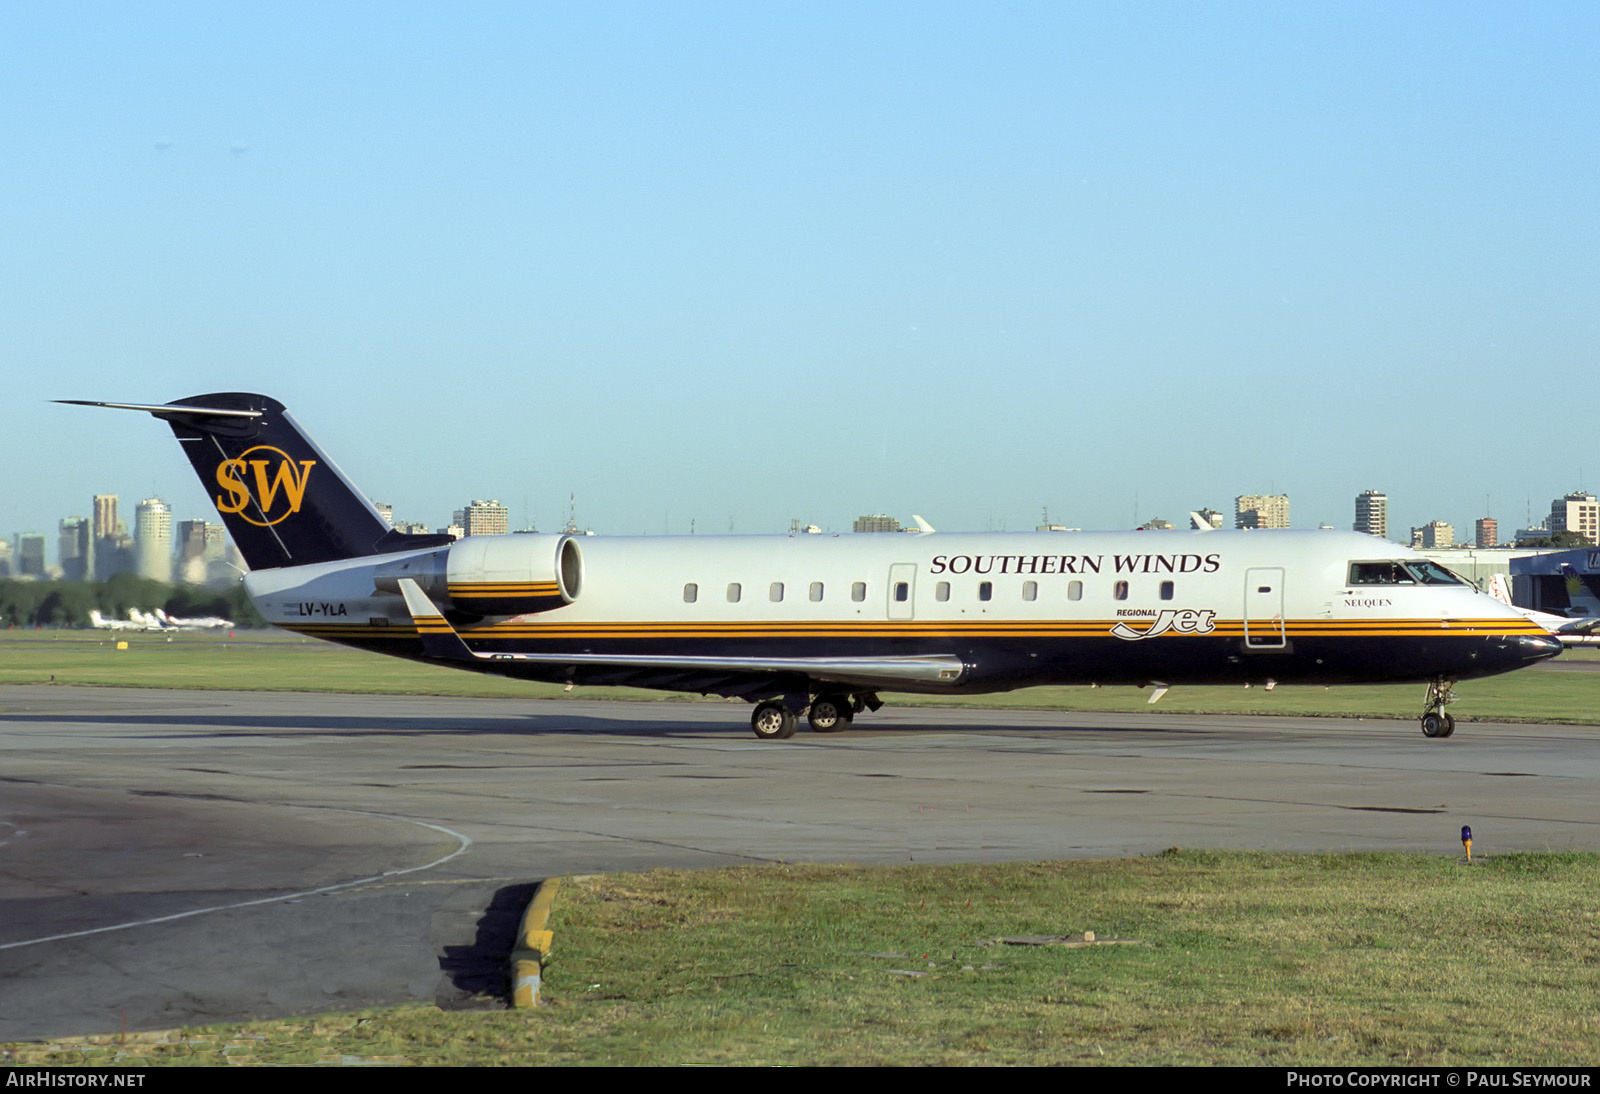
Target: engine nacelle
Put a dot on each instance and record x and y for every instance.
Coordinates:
(494, 575)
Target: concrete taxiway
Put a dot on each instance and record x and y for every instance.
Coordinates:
(173, 858)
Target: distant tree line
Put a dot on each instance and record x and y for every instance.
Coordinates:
(68, 603)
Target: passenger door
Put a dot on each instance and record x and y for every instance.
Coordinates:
(1263, 608)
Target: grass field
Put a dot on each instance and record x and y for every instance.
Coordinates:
(1232, 958)
(275, 661)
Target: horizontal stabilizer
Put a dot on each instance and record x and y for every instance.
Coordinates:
(167, 410)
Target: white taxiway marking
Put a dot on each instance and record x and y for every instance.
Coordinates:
(465, 842)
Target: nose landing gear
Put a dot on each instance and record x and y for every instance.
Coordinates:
(1435, 722)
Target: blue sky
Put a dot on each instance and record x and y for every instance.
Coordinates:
(741, 263)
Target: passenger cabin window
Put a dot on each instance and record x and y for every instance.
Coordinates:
(733, 592)
(902, 592)
(941, 591)
(691, 593)
(1030, 590)
(775, 592)
(816, 590)
(1120, 590)
(858, 591)
(985, 590)
(1166, 590)
(1074, 590)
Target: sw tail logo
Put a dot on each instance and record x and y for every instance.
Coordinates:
(266, 480)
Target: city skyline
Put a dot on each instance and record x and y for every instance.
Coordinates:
(491, 517)
(742, 265)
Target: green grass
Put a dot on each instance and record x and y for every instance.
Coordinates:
(1241, 958)
(274, 661)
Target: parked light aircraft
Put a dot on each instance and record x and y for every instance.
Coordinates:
(195, 623)
(817, 625)
(136, 621)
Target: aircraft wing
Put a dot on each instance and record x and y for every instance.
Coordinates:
(440, 640)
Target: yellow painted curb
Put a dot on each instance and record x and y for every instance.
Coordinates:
(533, 946)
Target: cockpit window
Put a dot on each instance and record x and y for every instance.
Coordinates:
(1431, 573)
(1410, 571)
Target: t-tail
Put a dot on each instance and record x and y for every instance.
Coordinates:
(284, 502)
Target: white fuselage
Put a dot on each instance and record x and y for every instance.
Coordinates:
(1016, 608)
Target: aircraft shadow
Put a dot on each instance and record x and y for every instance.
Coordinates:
(535, 723)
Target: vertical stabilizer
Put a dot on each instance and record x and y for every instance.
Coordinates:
(284, 502)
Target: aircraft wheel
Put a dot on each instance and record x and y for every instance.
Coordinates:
(1435, 725)
(772, 721)
(1449, 725)
(829, 714)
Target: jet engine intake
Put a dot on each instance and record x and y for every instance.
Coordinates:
(494, 575)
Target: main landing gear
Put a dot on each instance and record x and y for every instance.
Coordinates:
(777, 719)
(1435, 722)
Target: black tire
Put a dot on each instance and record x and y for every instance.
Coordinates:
(829, 714)
(1434, 725)
(772, 721)
(1449, 725)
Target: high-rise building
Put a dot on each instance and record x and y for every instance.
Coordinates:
(877, 522)
(30, 554)
(1372, 513)
(1577, 512)
(485, 518)
(386, 511)
(1488, 532)
(105, 516)
(152, 539)
(1436, 533)
(191, 539)
(113, 547)
(1261, 511)
(75, 549)
(1211, 518)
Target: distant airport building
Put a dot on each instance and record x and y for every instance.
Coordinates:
(1556, 581)
(485, 518)
(1487, 532)
(1577, 512)
(1211, 518)
(1372, 513)
(386, 511)
(152, 539)
(875, 523)
(1261, 511)
(1436, 533)
(5, 558)
(1157, 524)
